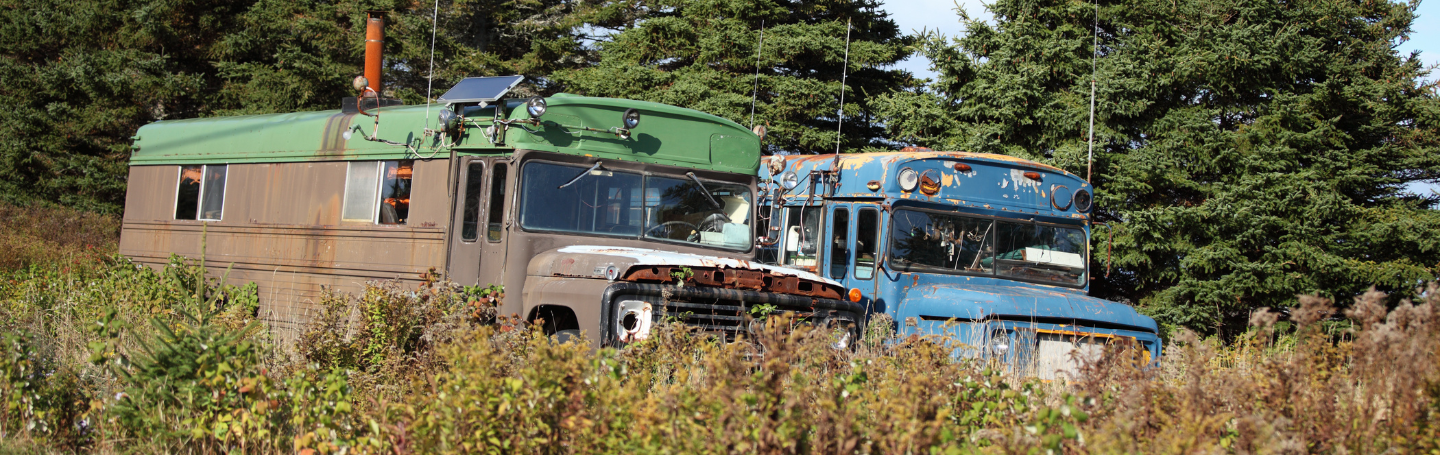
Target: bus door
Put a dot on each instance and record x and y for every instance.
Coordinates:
(853, 246)
(479, 212)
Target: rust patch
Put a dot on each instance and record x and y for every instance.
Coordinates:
(332, 140)
(729, 278)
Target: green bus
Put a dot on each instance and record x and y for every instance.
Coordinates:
(588, 210)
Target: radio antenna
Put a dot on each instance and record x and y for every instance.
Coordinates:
(844, 71)
(1094, 54)
(430, 82)
(756, 91)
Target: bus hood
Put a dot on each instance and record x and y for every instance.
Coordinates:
(1019, 303)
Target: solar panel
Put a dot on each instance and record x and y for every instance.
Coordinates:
(480, 89)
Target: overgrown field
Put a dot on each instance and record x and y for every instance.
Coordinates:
(100, 355)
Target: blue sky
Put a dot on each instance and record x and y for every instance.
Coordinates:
(939, 15)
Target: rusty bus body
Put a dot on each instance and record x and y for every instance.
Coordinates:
(988, 252)
(585, 212)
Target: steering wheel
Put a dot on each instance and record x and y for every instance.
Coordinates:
(668, 229)
(714, 223)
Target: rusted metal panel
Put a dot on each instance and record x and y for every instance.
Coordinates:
(430, 197)
(280, 228)
(580, 295)
(151, 193)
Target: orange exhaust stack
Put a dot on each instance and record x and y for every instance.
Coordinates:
(374, 48)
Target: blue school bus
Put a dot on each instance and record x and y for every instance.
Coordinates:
(987, 252)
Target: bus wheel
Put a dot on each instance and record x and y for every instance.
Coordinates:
(566, 336)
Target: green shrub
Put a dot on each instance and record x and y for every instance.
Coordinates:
(40, 397)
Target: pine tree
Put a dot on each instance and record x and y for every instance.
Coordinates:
(1246, 150)
(703, 55)
(80, 77)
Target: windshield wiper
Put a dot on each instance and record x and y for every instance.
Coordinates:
(582, 174)
(704, 191)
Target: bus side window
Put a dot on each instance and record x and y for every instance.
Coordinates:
(839, 243)
(497, 202)
(474, 183)
(396, 178)
(867, 241)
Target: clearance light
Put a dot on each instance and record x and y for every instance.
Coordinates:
(854, 294)
(1032, 175)
(873, 185)
(908, 179)
(962, 167)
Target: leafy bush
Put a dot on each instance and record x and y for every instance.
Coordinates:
(389, 327)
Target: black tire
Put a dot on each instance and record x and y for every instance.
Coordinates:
(567, 335)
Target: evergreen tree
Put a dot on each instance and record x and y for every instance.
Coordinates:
(1246, 150)
(703, 55)
(80, 77)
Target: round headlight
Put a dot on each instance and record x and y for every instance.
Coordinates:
(631, 118)
(535, 107)
(449, 122)
(930, 182)
(908, 179)
(1082, 200)
(789, 180)
(1061, 197)
(999, 344)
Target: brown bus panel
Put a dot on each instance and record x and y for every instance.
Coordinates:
(281, 229)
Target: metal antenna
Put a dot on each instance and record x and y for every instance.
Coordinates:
(843, 73)
(1094, 54)
(434, 21)
(756, 92)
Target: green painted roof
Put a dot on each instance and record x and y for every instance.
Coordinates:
(666, 135)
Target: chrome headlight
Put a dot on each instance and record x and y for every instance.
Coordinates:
(631, 118)
(789, 180)
(535, 107)
(908, 179)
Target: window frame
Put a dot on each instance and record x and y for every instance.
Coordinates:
(481, 218)
(200, 196)
(644, 175)
(490, 210)
(876, 243)
(799, 211)
(837, 228)
(890, 261)
(375, 195)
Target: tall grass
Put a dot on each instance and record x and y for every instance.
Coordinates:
(111, 357)
(47, 235)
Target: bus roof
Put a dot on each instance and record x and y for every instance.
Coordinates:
(665, 135)
(982, 181)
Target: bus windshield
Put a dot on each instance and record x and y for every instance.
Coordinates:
(949, 243)
(577, 199)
